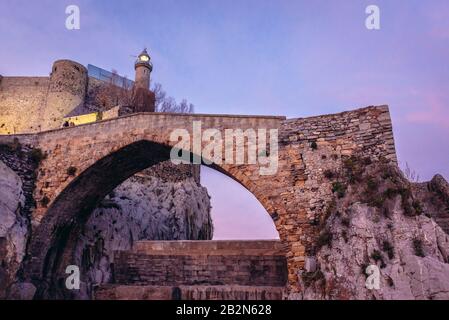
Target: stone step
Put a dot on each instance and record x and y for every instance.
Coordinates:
(175, 263)
(234, 292)
(210, 247)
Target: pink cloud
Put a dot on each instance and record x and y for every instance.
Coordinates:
(435, 111)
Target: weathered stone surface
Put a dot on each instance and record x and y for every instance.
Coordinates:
(13, 227)
(12, 196)
(440, 188)
(22, 291)
(357, 234)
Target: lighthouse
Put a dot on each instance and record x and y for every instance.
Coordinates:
(143, 67)
(143, 98)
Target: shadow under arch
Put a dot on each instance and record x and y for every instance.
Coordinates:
(52, 244)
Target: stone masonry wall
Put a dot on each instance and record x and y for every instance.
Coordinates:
(321, 143)
(254, 263)
(132, 268)
(34, 104)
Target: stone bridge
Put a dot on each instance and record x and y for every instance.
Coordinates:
(85, 163)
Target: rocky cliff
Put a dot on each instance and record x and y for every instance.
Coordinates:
(13, 226)
(380, 218)
(17, 167)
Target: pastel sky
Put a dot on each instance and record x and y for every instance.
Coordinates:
(293, 58)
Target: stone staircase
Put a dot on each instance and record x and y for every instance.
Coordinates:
(198, 270)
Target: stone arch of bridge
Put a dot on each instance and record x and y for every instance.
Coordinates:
(53, 243)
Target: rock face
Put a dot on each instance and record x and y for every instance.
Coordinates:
(379, 218)
(17, 179)
(437, 199)
(13, 226)
(161, 203)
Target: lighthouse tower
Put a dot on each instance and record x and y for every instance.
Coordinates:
(143, 98)
(143, 67)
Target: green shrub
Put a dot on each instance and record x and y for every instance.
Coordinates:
(406, 203)
(388, 249)
(349, 163)
(405, 193)
(325, 238)
(390, 193)
(371, 185)
(367, 161)
(45, 201)
(386, 212)
(353, 169)
(418, 247)
(344, 234)
(387, 173)
(376, 201)
(345, 221)
(312, 277)
(331, 208)
(339, 189)
(12, 147)
(417, 206)
(71, 171)
(376, 255)
(408, 209)
(36, 155)
(329, 174)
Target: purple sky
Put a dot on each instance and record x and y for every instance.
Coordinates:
(293, 58)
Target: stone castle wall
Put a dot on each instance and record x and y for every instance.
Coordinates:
(67, 90)
(35, 104)
(22, 102)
